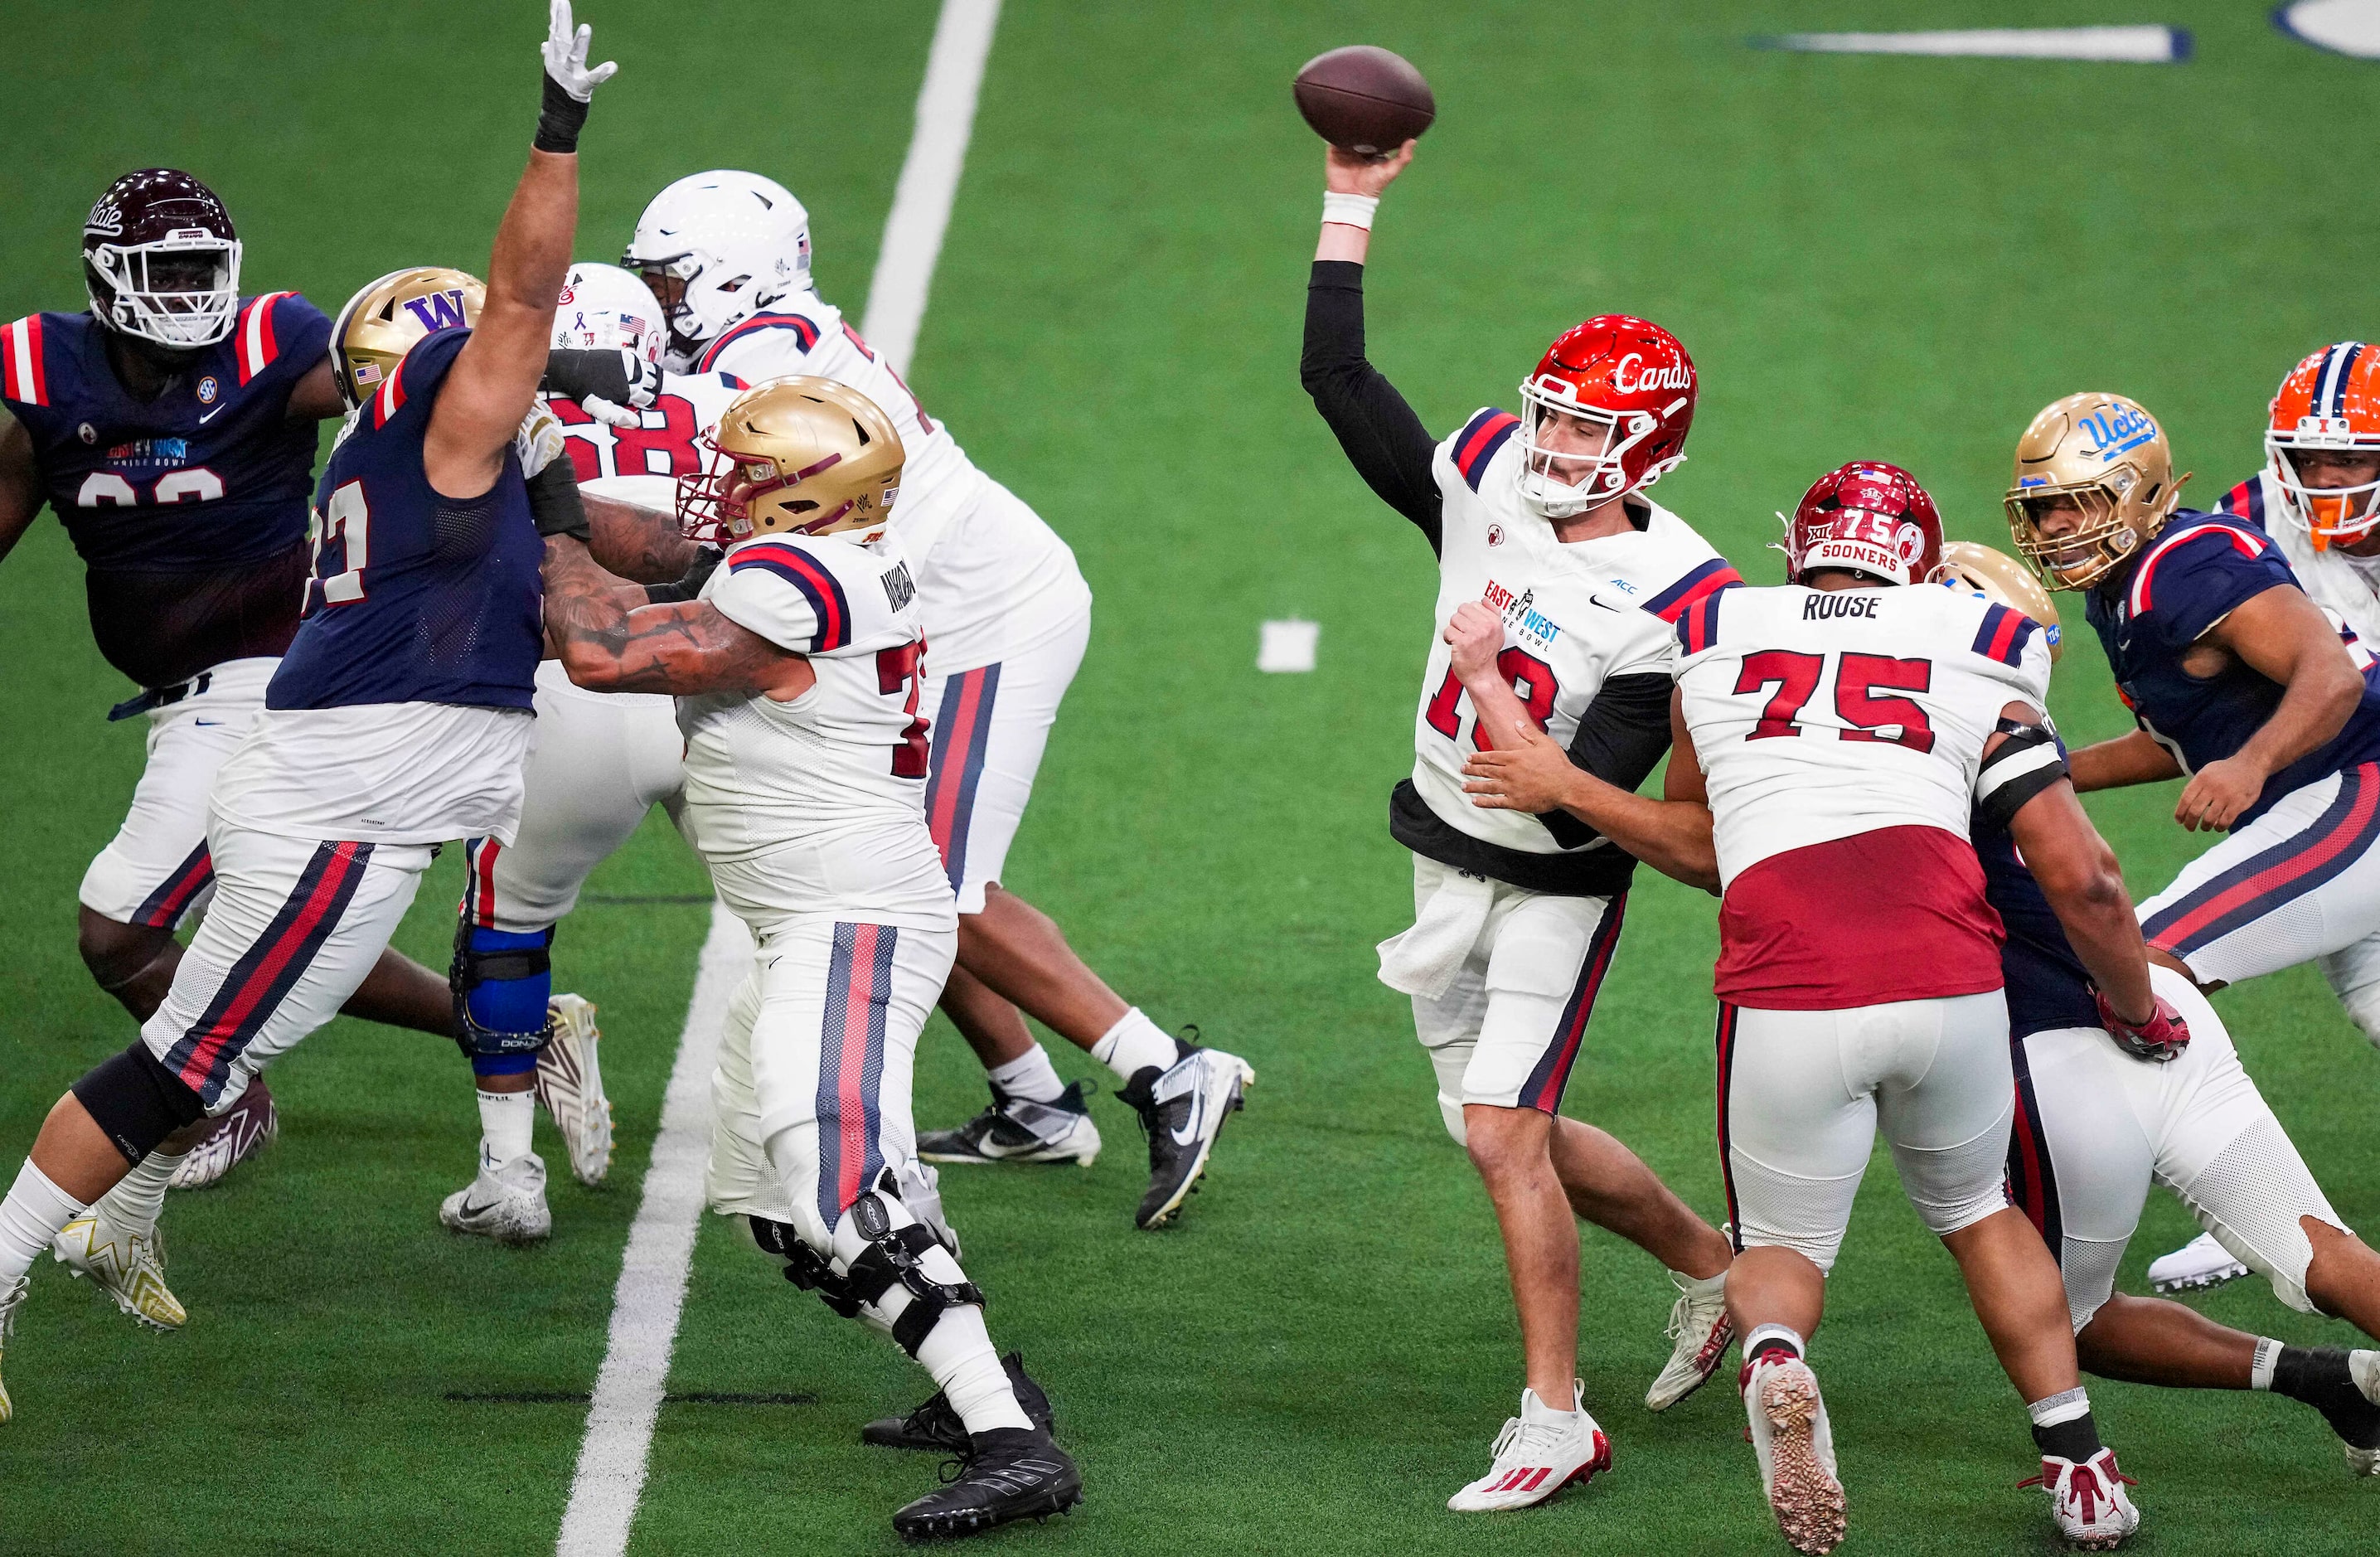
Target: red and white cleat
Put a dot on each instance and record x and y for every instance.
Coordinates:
(1701, 1333)
(244, 1129)
(1796, 1446)
(1539, 1452)
(2088, 1499)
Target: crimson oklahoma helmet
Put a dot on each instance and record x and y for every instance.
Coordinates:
(161, 259)
(1866, 517)
(1632, 384)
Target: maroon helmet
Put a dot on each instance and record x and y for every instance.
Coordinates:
(162, 260)
(1630, 379)
(1866, 517)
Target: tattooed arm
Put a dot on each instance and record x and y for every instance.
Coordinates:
(610, 640)
(642, 544)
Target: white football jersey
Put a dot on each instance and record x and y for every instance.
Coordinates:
(1819, 715)
(1575, 614)
(2348, 587)
(992, 578)
(642, 465)
(826, 790)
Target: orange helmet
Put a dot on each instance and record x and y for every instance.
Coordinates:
(2330, 401)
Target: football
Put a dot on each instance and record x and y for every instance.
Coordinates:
(1364, 99)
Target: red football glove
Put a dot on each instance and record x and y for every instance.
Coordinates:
(2159, 1040)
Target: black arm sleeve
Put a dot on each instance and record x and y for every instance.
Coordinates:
(576, 375)
(1384, 440)
(1621, 736)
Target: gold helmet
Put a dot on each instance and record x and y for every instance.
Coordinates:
(1996, 576)
(806, 455)
(2106, 455)
(379, 324)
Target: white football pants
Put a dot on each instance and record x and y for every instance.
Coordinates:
(1802, 1094)
(2096, 1127)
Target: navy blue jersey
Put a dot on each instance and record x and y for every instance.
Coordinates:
(415, 598)
(187, 510)
(2199, 570)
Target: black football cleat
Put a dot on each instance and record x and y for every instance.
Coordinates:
(934, 1426)
(1181, 1109)
(1008, 1473)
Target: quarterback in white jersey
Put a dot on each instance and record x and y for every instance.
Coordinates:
(728, 257)
(1835, 740)
(1542, 529)
(795, 674)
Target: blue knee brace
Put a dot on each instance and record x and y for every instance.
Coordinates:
(501, 981)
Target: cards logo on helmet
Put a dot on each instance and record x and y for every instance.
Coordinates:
(439, 310)
(1673, 375)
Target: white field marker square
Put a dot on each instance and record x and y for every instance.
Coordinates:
(1287, 647)
(2113, 45)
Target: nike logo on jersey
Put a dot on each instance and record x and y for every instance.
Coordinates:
(209, 416)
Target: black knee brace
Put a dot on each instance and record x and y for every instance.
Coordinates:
(136, 1101)
(896, 1255)
(804, 1266)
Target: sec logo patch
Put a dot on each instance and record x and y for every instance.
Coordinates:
(1495, 535)
(207, 390)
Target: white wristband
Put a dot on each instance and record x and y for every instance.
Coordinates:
(1349, 211)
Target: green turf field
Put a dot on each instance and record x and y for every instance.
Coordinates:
(1896, 258)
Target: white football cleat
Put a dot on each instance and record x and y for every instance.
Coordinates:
(569, 1085)
(1539, 1452)
(1796, 1448)
(244, 1129)
(11, 1297)
(129, 1266)
(1699, 1325)
(2088, 1499)
(2200, 1262)
(1020, 1130)
(2365, 1368)
(507, 1204)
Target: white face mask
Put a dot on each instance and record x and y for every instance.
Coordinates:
(181, 291)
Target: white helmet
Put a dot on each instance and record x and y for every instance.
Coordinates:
(604, 305)
(717, 247)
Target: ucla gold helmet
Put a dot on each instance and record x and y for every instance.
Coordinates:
(1996, 576)
(2104, 462)
(804, 456)
(379, 324)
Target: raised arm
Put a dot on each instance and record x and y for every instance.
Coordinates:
(1384, 440)
(609, 639)
(2284, 637)
(20, 482)
(495, 379)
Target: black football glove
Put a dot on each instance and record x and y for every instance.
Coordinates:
(554, 503)
(706, 562)
(2159, 1040)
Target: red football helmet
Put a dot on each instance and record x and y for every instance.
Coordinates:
(1632, 385)
(161, 259)
(1868, 517)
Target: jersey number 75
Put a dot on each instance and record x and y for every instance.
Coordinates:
(1863, 700)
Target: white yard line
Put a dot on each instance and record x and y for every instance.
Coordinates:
(929, 178)
(652, 1275)
(645, 1304)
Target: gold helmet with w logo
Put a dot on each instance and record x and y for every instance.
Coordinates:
(379, 324)
(804, 456)
(2097, 469)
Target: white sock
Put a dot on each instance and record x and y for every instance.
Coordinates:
(140, 1194)
(2268, 1357)
(1761, 1335)
(1134, 1045)
(1030, 1076)
(958, 1353)
(505, 1121)
(30, 1218)
(2066, 1406)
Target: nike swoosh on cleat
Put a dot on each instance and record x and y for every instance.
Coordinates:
(470, 1209)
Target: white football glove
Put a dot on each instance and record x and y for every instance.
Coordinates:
(540, 441)
(565, 54)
